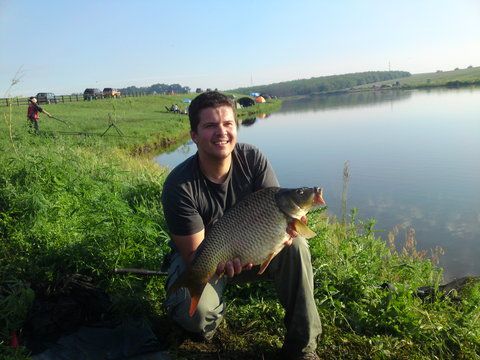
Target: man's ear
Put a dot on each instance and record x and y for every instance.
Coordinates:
(193, 136)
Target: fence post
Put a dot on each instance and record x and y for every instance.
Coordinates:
(18, 104)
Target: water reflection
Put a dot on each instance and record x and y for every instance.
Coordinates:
(251, 120)
(248, 121)
(326, 102)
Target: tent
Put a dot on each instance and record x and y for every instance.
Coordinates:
(246, 101)
(259, 99)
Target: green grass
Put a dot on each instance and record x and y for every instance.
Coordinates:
(451, 78)
(86, 204)
(145, 123)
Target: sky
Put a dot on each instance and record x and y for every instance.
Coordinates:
(66, 46)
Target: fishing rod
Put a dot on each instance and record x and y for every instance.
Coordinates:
(143, 272)
(62, 121)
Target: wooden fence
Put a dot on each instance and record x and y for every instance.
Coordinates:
(18, 101)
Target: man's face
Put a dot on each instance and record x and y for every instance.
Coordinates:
(216, 133)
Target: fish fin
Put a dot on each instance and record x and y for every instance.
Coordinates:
(193, 305)
(302, 229)
(195, 295)
(195, 289)
(266, 262)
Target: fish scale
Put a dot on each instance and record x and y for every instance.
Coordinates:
(249, 238)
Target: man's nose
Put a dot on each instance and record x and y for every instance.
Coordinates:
(221, 129)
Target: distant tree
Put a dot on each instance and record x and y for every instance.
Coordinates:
(324, 84)
(157, 89)
(456, 69)
(469, 67)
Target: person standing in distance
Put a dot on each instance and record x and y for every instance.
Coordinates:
(196, 194)
(33, 113)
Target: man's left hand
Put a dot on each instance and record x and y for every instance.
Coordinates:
(293, 234)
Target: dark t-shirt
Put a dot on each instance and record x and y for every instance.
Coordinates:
(191, 202)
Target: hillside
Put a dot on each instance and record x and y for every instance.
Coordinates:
(323, 84)
(453, 78)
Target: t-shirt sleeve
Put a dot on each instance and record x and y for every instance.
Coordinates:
(264, 175)
(180, 211)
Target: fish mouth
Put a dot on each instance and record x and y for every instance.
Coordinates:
(318, 197)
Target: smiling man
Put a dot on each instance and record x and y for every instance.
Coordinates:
(196, 194)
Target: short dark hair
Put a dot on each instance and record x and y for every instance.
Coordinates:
(206, 100)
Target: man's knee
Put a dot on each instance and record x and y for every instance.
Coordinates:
(299, 248)
(207, 316)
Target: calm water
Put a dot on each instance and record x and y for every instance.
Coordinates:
(414, 162)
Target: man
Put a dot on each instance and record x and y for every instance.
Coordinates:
(197, 193)
(32, 113)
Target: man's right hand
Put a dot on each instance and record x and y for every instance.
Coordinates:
(232, 267)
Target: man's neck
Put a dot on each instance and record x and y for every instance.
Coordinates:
(215, 170)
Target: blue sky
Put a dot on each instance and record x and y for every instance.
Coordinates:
(67, 46)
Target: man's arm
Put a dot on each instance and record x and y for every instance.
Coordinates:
(46, 113)
(188, 244)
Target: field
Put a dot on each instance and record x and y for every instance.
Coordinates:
(453, 78)
(75, 202)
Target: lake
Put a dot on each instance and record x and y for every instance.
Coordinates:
(414, 162)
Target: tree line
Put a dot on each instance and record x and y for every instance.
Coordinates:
(323, 84)
(157, 89)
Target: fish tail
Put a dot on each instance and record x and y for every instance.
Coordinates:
(195, 288)
(195, 294)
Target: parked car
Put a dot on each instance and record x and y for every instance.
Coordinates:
(109, 92)
(90, 94)
(46, 98)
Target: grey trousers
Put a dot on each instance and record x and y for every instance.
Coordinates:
(291, 271)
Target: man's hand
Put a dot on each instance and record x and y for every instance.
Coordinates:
(293, 234)
(232, 267)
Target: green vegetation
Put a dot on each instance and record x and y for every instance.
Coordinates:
(157, 89)
(323, 84)
(87, 204)
(372, 80)
(454, 78)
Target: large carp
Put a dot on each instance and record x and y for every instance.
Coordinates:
(254, 230)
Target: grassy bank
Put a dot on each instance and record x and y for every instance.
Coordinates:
(85, 204)
(453, 78)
